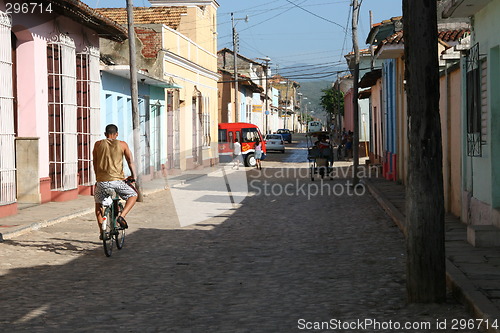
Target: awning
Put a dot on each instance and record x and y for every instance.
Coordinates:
(370, 78)
(142, 76)
(365, 94)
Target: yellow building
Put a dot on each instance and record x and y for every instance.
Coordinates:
(177, 43)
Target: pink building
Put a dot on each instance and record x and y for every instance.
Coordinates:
(49, 99)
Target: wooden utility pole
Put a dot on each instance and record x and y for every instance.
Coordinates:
(236, 88)
(425, 268)
(372, 47)
(134, 97)
(355, 102)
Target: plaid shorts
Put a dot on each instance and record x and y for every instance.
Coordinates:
(121, 188)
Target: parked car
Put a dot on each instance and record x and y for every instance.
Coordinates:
(287, 135)
(275, 142)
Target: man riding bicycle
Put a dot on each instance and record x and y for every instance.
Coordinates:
(108, 167)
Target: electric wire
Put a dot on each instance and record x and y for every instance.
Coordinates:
(320, 17)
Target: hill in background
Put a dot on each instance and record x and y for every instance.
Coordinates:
(312, 90)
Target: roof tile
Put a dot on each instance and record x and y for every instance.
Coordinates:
(170, 16)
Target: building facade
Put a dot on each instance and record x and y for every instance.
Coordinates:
(177, 45)
(50, 101)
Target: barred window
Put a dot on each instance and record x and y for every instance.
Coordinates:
(206, 122)
(7, 154)
(476, 101)
(87, 74)
(63, 155)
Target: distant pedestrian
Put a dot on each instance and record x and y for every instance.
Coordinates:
(348, 145)
(258, 154)
(236, 154)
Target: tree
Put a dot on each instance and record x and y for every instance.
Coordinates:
(425, 267)
(332, 100)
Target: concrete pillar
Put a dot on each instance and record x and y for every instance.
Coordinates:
(28, 180)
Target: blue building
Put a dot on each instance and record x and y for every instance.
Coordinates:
(116, 108)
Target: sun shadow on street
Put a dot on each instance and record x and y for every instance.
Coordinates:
(273, 260)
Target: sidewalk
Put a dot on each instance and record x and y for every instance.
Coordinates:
(472, 274)
(33, 217)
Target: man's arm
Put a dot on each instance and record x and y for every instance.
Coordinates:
(129, 158)
(94, 153)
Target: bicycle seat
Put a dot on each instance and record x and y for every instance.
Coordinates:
(110, 192)
(107, 202)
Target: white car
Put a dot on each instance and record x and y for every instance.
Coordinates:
(275, 142)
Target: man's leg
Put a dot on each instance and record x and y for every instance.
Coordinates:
(98, 215)
(129, 203)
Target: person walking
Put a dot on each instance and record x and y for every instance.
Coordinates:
(258, 154)
(236, 154)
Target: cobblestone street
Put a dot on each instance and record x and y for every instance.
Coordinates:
(275, 263)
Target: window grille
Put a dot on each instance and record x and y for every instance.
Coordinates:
(248, 111)
(473, 100)
(145, 126)
(177, 131)
(63, 154)
(196, 112)
(206, 122)
(7, 145)
(484, 101)
(156, 134)
(88, 78)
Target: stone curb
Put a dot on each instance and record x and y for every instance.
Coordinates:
(476, 302)
(461, 287)
(45, 223)
(389, 208)
(41, 224)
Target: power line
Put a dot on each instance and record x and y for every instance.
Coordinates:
(320, 17)
(346, 33)
(272, 17)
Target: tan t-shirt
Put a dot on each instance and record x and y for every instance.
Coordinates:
(108, 161)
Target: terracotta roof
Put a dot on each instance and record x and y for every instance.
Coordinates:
(170, 16)
(361, 52)
(80, 12)
(389, 21)
(396, 38)
(452, 35)
(445, 36)
(226, 50)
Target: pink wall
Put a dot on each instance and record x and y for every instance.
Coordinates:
(377, 123)
(33, 33)
(348, 113)
(450, 113)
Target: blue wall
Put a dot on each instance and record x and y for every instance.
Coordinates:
(389, 89)
(116, 108)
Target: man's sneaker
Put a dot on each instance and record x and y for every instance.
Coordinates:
(121, 221)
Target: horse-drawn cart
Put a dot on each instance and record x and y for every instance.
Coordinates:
(320, 154)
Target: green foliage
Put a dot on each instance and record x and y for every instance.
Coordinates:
(332, 100)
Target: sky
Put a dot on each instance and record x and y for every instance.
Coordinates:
(295, 33)
(305, 39)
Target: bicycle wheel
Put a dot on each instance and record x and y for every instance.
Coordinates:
(107, 237)
(119, 232)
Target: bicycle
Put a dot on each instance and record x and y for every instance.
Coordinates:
(112, 232)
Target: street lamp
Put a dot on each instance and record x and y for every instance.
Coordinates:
(235, 53)
(266, 111)
(286, 101)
